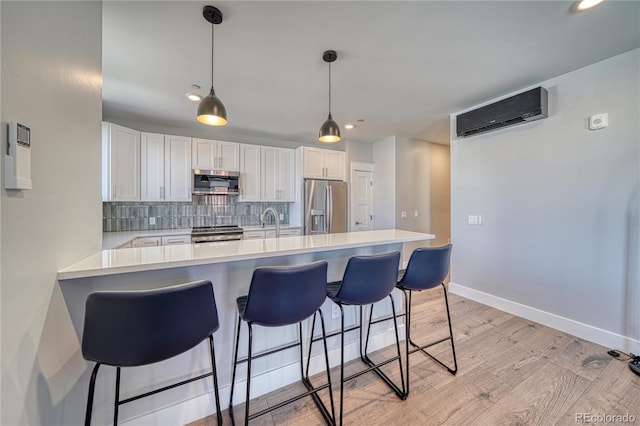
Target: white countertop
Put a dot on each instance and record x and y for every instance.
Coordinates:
(108, 262)
(111, 240)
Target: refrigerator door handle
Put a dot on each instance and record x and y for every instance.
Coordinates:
(330, 209)
(327, 211)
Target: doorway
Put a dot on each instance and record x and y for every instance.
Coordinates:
(361, 182)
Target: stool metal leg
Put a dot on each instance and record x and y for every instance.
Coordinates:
(422, 348)
(329, 418)
(92, 388)
(116, 405)
(212, 352)
(341, 361)
(401, 393)
(248, 397)
(233, 372)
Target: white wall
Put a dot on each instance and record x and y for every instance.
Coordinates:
(384, 184)
(559, 242)
(51, 81)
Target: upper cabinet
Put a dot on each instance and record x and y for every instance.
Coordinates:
(249, 173)
(120, 163)
(323, 163)
(278, 166)
(177, 168)
(209, 154)
(165, 172)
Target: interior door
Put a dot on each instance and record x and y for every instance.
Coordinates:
(362, 202)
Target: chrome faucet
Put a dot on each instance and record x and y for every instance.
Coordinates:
(275, 215)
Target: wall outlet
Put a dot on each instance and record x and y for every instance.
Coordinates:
(335, 311)
(152, 221)
(474, 220)
(403, 215)
(415, 213)
(281, 216)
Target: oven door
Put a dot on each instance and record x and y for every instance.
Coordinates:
(213, 238)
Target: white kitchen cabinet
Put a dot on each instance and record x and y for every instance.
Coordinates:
(252, 235)
(177, 168)
(151, 167)
(249, 173)
(323, 163)
(208, 154)
(146, 242)
(120, 163)
(277, 174)
(165, 167)
(170, 240)
(286, 232)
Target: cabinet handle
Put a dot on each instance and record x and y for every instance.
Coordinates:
(162, 192)
(113, 190)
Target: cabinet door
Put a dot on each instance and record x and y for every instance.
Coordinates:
(121, 163)
(171, 240)
(334, 165)
(270, 173)
(295, 232)
(253, 235)
(151, 167)
(287, 175)
(313, 163)
(204, 154)
(228, 156)
(177, 168)
(249, 173)
(146, 242)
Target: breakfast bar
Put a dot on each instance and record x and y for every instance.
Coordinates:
(229, 266)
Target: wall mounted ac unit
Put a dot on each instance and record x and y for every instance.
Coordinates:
(526, 106)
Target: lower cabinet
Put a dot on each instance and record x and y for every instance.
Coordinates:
(171, 240)
(271, 233)
(146, 242)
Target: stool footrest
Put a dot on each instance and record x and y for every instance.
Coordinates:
(417, 348)
(153, 392)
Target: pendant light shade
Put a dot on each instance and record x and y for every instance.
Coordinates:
(329, 131)
(211, 110)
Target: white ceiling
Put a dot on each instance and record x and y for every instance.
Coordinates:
(402, 67)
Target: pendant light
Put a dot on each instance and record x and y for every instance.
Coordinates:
(211, 110)
(329, 131)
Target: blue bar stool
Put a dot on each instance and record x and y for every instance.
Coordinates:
(428, 267)
(367, 280)
(134, 328)
(279, 296)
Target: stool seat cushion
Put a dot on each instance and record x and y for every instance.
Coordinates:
(132, 328)
(366, 280)
(283, 295)
(427, 268)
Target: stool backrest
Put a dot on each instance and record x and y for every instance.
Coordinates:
(369, 279)
(281, 295)
(130, 328)
(427, 268)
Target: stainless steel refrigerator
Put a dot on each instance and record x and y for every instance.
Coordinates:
(325, 207)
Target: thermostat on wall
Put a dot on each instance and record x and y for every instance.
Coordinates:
(17, 160)
(598, 121)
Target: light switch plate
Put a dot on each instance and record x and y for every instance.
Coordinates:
(152, 221)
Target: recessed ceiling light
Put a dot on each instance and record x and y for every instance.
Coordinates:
(193, 96)
(587, 4)
(349, 126)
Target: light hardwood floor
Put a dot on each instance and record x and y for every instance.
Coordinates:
(511, 371)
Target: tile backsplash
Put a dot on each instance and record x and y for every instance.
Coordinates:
(204, 210)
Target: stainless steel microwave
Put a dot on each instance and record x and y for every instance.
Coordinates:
(215, 182)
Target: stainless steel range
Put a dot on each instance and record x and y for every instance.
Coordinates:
(210, 234)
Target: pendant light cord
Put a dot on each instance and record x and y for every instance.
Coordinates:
(212, 55)
(329, 88)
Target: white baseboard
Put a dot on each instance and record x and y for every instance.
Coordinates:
(575, 328)
(203, 405)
